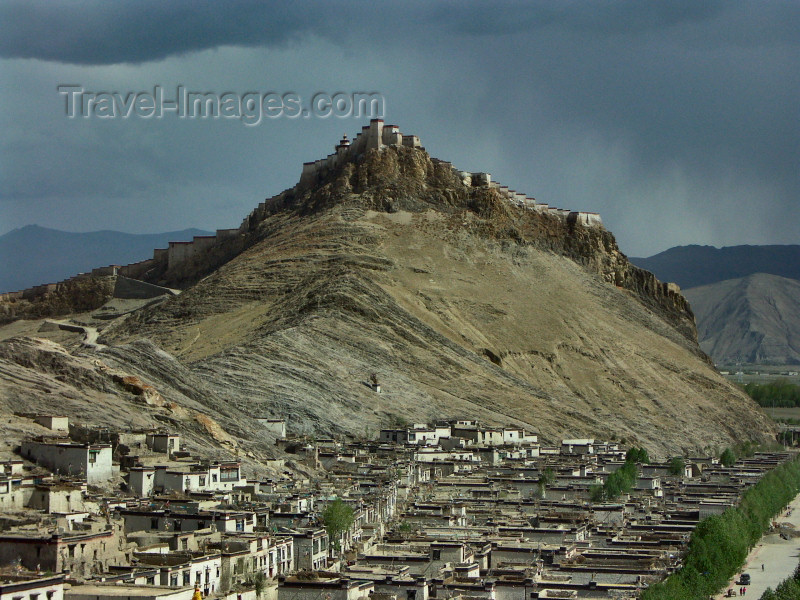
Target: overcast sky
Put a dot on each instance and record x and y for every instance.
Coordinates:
(679, 122)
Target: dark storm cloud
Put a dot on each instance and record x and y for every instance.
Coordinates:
(656, 114)
(103, 32)
(95, 33)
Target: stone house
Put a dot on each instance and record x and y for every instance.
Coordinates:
(57, 497)
(129, 592)
(166, 520)
(324, 586)
(162, 442)
(12, 496)
(311, 548)
(81, 554)
(31, 586)
(92, 461)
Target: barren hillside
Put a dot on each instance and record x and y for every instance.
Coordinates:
(464, 306)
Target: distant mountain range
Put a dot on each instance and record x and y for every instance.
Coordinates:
(754, 319)
(692, 266)
(33, 255)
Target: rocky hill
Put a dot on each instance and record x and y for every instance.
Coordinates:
(754, 319)
(463, 303)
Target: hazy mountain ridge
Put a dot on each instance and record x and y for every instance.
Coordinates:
(693, 266)
(33, 255)
(755, 319)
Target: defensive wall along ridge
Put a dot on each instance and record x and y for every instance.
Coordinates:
(374, 136)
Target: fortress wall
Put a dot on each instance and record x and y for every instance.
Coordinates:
(375, 134)
(109, 270)
(585, 219)
(392, 136)
(178, 252)
(224, 234)
(139, 290)
(137, 269)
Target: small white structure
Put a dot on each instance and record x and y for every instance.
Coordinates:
(578, 446)
(56, 423)
(92, 461)
(275, 426)
(141, 481)
(29, 587)
(112, 591)
(163, 442)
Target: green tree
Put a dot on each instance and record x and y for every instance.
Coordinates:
(677, 466)
(637, 455)
(546, 478)
(778, 393)
(596, 493)
(259, 582)
(337, 518)
(728, 458)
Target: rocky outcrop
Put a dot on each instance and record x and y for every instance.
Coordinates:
(71, 296)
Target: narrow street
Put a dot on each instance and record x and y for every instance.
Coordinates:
(779, 557)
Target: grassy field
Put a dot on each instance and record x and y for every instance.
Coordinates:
(760, 373)
(783, 413)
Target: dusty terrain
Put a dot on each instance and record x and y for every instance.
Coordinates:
(463, 305)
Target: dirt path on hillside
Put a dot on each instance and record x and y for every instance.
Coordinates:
(90, 333)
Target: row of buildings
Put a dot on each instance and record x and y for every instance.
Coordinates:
(441, 510)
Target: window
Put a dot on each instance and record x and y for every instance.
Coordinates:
(187, 578)
(154, 523)
(184, 543)
(229, 474)
(437, 555)
(93, 455)
(151, 580)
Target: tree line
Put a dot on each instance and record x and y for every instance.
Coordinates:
(720, 543)
(777, 393)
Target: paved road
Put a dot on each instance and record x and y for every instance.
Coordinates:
(779, 557)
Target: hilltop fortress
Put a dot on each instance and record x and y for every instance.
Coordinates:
(374, 136)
